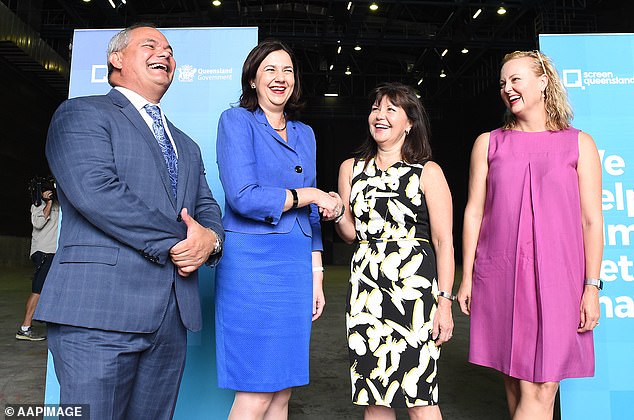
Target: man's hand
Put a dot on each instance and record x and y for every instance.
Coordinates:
(192, 252)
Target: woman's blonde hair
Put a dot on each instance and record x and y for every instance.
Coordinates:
(558, 110)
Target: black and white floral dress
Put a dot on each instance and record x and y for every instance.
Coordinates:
(392, 290)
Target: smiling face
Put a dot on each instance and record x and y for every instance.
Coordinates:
(388, 122)
(521, 88)
(146, 65)
(274, 80)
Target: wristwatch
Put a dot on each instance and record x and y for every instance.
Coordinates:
(594, 282)
(217, 245)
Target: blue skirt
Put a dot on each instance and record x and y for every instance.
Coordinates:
(264, 292)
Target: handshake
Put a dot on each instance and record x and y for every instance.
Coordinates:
(331, 206)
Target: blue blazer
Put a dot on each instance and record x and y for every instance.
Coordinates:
(257, 167)
(112, 269)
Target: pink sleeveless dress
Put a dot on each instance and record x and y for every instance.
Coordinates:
(529, 268)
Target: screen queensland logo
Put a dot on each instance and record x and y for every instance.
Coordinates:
(187, 73)
(577, 78)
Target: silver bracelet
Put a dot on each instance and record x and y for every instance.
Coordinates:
(594, 282)
(318, 269)
(447, 295)
(343, 211)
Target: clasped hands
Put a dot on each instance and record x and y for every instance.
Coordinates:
(330, 206)
(195, 249)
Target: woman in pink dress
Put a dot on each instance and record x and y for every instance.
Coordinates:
(533, 241)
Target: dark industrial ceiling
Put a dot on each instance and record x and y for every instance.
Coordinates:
(403, 40)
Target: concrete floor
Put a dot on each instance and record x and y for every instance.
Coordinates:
(22, 363)
(466, 391)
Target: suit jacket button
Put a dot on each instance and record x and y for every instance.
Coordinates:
(179, 218)
(268, 219)
(298, 169)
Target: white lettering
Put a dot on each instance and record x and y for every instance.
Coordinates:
(611, 270)
(613, 164)
(620, 199)
(624, 307)
(625, 233)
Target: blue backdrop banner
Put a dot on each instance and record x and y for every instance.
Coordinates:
(206, 82)
(598, 73)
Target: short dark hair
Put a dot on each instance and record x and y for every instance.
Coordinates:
(249, 97)
(416, 148)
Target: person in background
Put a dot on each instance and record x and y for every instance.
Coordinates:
(532, 241)
(269, 283)
(400, 291)
(138, 221)
(45, 219)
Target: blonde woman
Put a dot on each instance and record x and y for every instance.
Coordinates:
(532, 241)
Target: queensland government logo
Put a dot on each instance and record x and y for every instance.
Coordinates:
(576, 78)
(186, 73)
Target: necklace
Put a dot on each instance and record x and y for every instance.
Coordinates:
(280, 129)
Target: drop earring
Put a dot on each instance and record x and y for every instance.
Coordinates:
(252, 85)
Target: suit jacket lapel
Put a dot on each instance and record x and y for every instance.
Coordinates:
(261, 119)
(132, 114)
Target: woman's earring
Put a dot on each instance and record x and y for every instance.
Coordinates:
(252, 85)
(407, 132)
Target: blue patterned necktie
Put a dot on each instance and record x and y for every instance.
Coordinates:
(169, 154)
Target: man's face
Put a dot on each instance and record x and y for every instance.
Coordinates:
(146, 64)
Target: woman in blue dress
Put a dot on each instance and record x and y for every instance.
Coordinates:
(269, 282)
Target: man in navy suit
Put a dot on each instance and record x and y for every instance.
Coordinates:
(138, 220)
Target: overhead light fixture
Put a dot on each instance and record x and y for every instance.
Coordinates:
(442, 73)
(374, 7)
(332, 66)
(464, 50)
(477, 13)
(349, 5)
(420, 81)
(86, 1)
(216, 3)
(339, 49)
(501, 11)
(357, 47)
(348, 72)
(116, 4)
(417, 95)
(331, 94)
(444, 53)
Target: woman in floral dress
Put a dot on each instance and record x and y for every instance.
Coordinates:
(400, 290)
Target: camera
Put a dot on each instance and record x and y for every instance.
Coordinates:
(38, 185)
